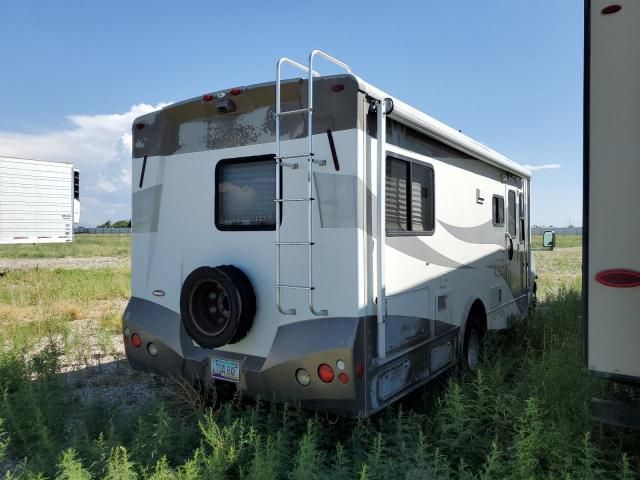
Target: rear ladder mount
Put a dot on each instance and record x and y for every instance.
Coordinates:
(280, 162)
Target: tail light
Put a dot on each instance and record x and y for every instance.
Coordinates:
(325, 372)
(136, 341)
(343, 378)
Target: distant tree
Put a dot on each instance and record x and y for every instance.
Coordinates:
(106, 224)
(122, 224)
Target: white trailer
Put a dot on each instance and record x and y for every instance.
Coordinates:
(611, 264)
(39, 201)
(318, 241)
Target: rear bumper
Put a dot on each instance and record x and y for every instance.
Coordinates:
(298, 345)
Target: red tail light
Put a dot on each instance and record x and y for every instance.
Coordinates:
(235, 91)
(359, 370)
(343, 378)
(136, 341)
(207, 98)
(619, 278)
(325, 372)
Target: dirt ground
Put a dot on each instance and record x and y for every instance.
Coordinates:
(66, 262)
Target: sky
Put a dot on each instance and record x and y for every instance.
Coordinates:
(508, 73)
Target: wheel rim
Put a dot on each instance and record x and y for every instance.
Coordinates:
(210, 307)
(473, 350)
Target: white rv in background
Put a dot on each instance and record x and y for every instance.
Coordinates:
(611, 263)
(39, 201)
(318, 241)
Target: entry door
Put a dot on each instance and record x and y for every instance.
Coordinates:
(514, 246)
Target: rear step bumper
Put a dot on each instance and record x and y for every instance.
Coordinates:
(305, 344)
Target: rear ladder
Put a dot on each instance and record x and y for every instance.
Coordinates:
(283, 161)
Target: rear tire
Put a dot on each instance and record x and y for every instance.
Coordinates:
(473, 340)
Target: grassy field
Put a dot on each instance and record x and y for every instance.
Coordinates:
(562, 241)
(83, 245)
(522, 415)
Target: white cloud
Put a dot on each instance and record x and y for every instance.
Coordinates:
(100, 147)
(544, 166)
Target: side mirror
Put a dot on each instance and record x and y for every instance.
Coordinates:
(549, 239)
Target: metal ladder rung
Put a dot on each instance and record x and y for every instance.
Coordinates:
(311, 161)
(293, 112)
(301, 155)
(296, 287)
(279, 200)
(295, 243)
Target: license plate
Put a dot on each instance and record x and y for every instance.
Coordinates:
(225, 369)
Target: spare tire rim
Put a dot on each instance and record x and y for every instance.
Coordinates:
(210, 307)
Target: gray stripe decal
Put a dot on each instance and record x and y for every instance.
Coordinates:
(146, 209)
(478, 234)
(416, 248)
(337, 201)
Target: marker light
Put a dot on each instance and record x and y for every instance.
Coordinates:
(343, 378)
(139, 126)
(325, 372)
(127, 332)
(303, 377)
(337, 88)
(359, 370)
(610, 9)
(207, 98)
(235, 91)
(619, 278)
(136, 341)
(152, 349)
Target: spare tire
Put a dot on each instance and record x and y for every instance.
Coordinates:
(217, 305)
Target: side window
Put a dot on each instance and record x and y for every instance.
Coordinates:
(410, 200)
(511, 227)
(245, 194)
(522, 216)
(397, 195)
(497, 206)
(422, 201)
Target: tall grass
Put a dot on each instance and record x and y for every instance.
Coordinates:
(522, 415)
(32, 287)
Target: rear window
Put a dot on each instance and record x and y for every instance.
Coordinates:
(245, 194)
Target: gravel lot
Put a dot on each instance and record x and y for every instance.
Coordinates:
(66, 262)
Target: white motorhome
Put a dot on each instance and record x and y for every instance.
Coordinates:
(611, 264)
(318, 241)
(39, 201)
